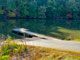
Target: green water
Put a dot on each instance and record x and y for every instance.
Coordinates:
(55, 28)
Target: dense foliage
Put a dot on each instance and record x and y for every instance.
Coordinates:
(40, 8)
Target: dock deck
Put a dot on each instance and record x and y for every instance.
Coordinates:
(26, 32)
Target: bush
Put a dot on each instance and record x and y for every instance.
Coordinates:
(5, 57)
(11, 14)
(1, 11)
(9, 38)
(71, 58)
(6, 52)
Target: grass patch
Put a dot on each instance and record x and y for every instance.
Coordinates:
(76, 40)
(17, 52)
(67, 34)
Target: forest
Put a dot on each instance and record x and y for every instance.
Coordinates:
(40, 8)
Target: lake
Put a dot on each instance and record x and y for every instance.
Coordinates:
(62, 29)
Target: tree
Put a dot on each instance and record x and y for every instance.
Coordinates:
(41, 13)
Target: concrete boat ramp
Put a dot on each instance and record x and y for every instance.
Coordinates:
(55, 44)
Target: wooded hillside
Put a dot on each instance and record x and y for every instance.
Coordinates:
(40, 8)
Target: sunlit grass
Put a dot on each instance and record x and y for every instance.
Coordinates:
(76, 40)
(74, 33)
(67, 34)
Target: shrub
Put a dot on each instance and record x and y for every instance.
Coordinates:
(9, 38)
(5, 57)
(13, 45)
(11, 14)
(5, 47)
(1, 11)
(6, 52)
(0, 52)
(71, 58)
(22, 49)
(15, 51)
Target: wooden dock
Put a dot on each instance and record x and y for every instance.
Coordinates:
(27, 33)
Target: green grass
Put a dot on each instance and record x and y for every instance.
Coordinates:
(78, 40)
(11, 50)
(68, 34)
